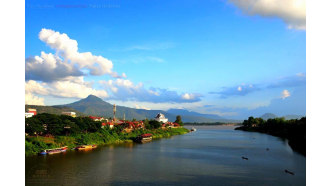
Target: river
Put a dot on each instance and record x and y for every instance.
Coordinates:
(209, 156)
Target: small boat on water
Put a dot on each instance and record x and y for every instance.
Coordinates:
(193, 129)
(144, 138)
(86, 147)
(54, 151)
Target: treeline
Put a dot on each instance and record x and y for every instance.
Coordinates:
(52, 124)
(50, 131)
(294, 130)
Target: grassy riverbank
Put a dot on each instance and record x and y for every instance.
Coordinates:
(35, 144)
(294, 130)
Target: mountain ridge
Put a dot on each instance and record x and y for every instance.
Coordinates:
(93, 105)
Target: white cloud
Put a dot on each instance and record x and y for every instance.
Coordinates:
(126, 90)
(71, 88)
(49, 67)
(31, 99)
(35, 87)
(74, 90)
(141, 107)
(285, 94)
(292, 12)
(67, 61)
(188, 96)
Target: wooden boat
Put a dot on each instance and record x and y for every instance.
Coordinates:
(86, 147)
(144, 138)
(53, 151)
(63, 149)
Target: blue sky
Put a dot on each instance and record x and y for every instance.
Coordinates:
(207, 56)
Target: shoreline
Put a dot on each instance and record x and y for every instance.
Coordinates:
(33, 144)
(294, 144)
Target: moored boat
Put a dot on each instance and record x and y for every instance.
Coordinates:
(193, 129)
(144, 138)
(53, 151)
(86, 147)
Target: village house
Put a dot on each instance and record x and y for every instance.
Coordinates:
(72, 114)
(95, 118)
(161, 118)
(30, 113)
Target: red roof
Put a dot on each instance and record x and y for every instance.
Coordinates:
(146, 135)
(107, 123)
(95, 117)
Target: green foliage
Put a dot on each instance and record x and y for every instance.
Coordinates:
(69, 131)
(178, 120)
(34, 145)
(153, 124)
(294, 130)
(60, 125)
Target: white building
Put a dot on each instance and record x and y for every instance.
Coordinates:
(161, 118)
(72, 114)
(28, 115)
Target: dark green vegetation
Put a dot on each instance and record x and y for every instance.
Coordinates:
(53, 109)
(50, 131)
(95, 106)
(178, 120)
(294, 130)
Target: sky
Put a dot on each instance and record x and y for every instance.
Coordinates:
(233, 58)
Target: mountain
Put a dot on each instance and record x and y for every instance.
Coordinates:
(93, 105)
(191, 113)
(52, 109)
(267, 116)
(292, 116)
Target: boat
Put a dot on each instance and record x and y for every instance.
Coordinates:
(54, 151)
(86, 147)
(63, 149)
(193, 129)
(44, 152)
(144, 138)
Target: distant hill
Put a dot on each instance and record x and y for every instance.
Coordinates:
(267, 116)
(93, 105)
(52, 109)
(292, 116)
(191, 113)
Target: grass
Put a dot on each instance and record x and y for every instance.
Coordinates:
(34, 145)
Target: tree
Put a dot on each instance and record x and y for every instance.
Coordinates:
(178, 120)
(33, 126)
(146, 123)
(153, 124)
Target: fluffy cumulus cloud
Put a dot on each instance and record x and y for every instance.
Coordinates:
(49, 67)
(76, 88)
(125, 90)
(62, 75)
(66, 62)
(31, 99)
(292, 12)
(285, 94)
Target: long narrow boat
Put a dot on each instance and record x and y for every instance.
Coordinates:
(86, 147)
(54, 151)
(144, 138)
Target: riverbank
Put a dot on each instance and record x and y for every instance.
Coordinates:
(35, 144)
(292, 130)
